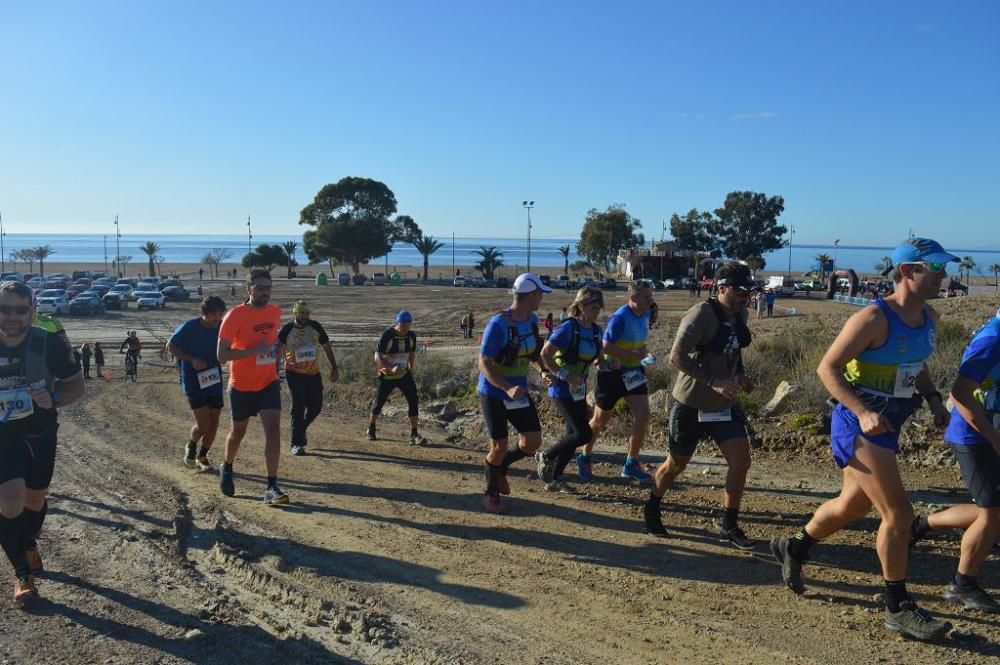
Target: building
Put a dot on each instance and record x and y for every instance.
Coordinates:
(660, 261)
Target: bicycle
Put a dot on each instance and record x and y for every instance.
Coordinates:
(131, 367)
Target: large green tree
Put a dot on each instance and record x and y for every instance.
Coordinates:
(491, 259)
(693, 231)
(747, 224)
(427, 245)
(289, 247)
(150, 249)
(353, 222)
(606, 232)
(265, 256)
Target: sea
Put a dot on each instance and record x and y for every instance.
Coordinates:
(97, 248)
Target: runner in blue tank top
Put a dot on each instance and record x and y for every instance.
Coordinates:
(876, 371)
(974, 436)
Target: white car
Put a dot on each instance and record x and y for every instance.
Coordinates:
(147, 286)
(150, 299)
(36, 282)
(459, 281)
(53, 301)
(562, 282)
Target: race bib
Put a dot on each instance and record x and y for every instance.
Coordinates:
(15, 404)
(633, 379)
(209, 377)
(579, 393)
(996, 421)
(721, 416)
(305, 354)
(906, 379)
(266, 358)
(514, 404)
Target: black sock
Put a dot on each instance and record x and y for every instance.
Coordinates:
(799, 544)
(31, 523)
(730, 517)
(272, 481)
(895, 593)
(226, 466)
(12, 543)
(413, 431)
(920, 527)
(493, 473)
(513, 455)
(203, 452)
(653, 499)
(966, 581)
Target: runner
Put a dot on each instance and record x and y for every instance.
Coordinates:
(394, 357)
(195, 344)
(511, 343)
(624, 375)
(247, 342)
(876, 371)
(708, 352)
(36, 378)
(300, 338)
(568, 354)
(974, 437)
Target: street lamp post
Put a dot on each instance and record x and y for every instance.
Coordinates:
(791, 235)
(249, 239)
(118, 248)
(3, 254)
(528, 205)
(835, 244)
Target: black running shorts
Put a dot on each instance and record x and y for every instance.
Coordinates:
(686, 431)
(496, 415)
(212, 402)
(611, 387)
(243, 404)
(980, 465)
(31, 457)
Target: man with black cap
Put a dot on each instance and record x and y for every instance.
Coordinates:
(876, 372)
(394, 357)
(299, 339)
(707, 352)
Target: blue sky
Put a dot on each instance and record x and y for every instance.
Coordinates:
(870, 118)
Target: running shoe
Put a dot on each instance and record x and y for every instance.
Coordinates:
(503, 485)
(417, 440)
(791, 568)
(190, 451)
(226, 481)
(737, 537)
(545, 467)
(298, 450)
(915, 536)
(371, 433)
(651, 515)
(203, 463)
(583, 466)
(559, 486)
(24, 590)
(273, 496)
(35, 565)
(634, 471)
(492, 504)
(975, 598)
(915, 622)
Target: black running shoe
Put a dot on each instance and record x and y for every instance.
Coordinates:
(190, 452)
(371, 434)
(915, 536)
(226, 481)
(737, 537)
(915, 622)
(791, 568)
(975, 598)
(651, 515)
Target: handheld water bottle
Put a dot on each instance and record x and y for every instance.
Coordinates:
(648, 360)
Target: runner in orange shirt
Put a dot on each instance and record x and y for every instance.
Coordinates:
(247, 342)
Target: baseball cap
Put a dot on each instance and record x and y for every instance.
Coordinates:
(916, 250)
(527, 282)
(300, 306)
(404, 317)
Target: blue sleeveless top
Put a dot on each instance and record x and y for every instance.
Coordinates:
(891, 369)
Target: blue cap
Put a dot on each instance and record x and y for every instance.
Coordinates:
(915, 250)
(404, 317)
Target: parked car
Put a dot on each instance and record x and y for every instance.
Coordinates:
(131, 281)
(378, 278)
(147, 286)
(459, 281)
(170, 282)
(502, 283)
(77, 274)
(562, 282)
(99, 289)
(609, 284)
(344, 279)
(124, 290)
(176, 293)
(103, 281)
(86, 303)
(53, 301)
(546, 279)
(36, 282)
(86, 281)
(57, 282)
(585, 281)
(478, 282)
(12, 276)
(115, 300)
(149, 300)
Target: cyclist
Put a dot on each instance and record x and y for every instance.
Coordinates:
(132, 348)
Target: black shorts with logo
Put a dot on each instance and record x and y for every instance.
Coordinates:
(244, 404)
(31, 457)
(980, 465)
(686, 431)
(611, 387)
(496, 415)
(199, 402)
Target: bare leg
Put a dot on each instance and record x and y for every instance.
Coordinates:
(271, 420)
(237, 431)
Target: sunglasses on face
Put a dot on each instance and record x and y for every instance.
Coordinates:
(931, 266)
(19, 310)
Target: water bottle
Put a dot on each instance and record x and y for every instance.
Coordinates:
(648, 360)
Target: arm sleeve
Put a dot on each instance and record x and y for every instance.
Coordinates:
(58, 362)
(283, 333)
(494, 337)
(982, 356)
(320, 332)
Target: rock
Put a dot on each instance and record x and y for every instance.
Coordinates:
(780, 401)
(448, 388)
(194, 634)
(443, 409)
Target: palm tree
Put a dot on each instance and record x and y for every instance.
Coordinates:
(41, 253)
(967, 263)
(492, 259)
(289, 248)
(426, 245)
(150, 249)
(995, 269)
(822, 259)
(564, 250)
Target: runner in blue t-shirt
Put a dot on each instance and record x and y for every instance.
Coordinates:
(974, 437)
(511, 344)
(569, 352)
(195, 345)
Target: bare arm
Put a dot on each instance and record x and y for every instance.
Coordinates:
(226, 352)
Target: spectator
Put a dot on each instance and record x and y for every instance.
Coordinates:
(548, 323)
(85, 357)
(769, 298)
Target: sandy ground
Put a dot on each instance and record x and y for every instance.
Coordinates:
(385, 555)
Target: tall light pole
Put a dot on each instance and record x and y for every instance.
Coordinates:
(528, 205)
(3, 255)
(249, 239)
(791, 235)
(118, 248)
(835, 244)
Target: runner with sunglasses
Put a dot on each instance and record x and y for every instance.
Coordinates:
(707, 351)
(876, 371)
